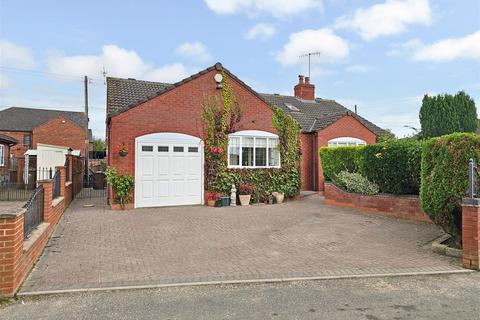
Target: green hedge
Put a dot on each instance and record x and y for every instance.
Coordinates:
(445, 178)
(337, 159)
(394, 165)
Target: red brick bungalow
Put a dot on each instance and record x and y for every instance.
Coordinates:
(161, 126)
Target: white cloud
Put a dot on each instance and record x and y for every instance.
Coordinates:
(14, 56)
(169, 73)
(276, 8)
(118, 62)
(261, 31)
(388, 18)
(6, 82)
(400, 49)
(467, 47)
(359, 68)
(194, 50)
(332, 47)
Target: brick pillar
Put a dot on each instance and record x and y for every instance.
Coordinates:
(11, 251)
(70, 167)
(47, 200)
(471, 233)
(62, 180)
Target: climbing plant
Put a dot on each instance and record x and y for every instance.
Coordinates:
(220, 117)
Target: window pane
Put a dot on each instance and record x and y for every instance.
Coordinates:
(247, 152)
(234, 151)
(261, 152)
(27, 140)
(147, 148)
(163, 149)
(192, 149)
(177, 149)
(273, 153)
(1, 154)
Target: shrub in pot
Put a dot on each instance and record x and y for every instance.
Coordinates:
(279, 196)
(245, 192)
(211, 199)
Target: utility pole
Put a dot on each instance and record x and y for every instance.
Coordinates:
(87, 140)
(309, 55)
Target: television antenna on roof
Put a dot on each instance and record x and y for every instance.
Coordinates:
(309, 55)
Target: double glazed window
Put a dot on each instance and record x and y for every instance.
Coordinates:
(346, 142)
(27, 140)
(253, 149)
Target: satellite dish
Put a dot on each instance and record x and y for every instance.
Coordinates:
(218, 78)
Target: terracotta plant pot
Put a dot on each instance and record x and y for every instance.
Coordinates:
(245, 199)
(211, 203)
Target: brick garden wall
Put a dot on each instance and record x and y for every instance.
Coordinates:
(471, 233)
(405, 207)
(17, 257)
(308, 153)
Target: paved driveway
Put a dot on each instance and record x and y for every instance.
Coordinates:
(96, 247)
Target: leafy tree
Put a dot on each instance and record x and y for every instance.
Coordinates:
(99, 144)
(445, 114)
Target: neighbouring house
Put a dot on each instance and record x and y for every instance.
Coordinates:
(6, 143)
(161, 127)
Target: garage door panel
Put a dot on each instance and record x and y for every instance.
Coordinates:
(147, 188)
(178, 166)
(192, 186)
(178, 188)
(147, 166)
(162, 188)
(193, 166)
(163, 165)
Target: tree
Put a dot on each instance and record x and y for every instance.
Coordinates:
(99, 144)
(445, 114)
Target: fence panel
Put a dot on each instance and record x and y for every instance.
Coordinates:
(34, 211)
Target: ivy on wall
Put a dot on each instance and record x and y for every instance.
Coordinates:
(221, 118)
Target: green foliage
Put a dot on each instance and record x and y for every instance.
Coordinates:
(394, 165)
(445, 179)
(99, 144)
(122, 185)
(387, 136)
(445, 114)
(355, 182)
(219, 120)
(337, 159)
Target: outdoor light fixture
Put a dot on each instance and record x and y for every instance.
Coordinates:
(218, 79)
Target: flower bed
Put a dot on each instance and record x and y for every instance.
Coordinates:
(405, 207)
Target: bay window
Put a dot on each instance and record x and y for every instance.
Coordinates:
(253, 149)
(346, 142)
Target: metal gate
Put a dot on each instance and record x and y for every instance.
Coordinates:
(87, 185)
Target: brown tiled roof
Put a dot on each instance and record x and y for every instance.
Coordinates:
(313, 115)
(26, 119)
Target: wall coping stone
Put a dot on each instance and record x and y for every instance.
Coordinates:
(471, 202)
(12, 214)
(56, 201)
(383, 195)
(34, 235)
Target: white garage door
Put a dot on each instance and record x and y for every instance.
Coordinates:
(168, 170)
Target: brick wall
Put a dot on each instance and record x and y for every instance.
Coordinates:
(405, 207)
(308, 152)
(60, 132)
(17, 256)
(471, 233)
(179, 110)
(347, 126)
(19, 149)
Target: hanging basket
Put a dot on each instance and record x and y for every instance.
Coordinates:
(123, 154)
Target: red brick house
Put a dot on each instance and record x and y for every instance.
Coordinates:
(161, 126)
(6, 143)
(32, 126)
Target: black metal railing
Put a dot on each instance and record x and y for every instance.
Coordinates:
(33, 216)
(67, 170)
(15, 191)
(56, 185)
(472, 179)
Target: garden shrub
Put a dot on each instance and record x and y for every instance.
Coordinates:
(394, 165)
(355, 182)
(445, 180)
(122, 185)
(337, 159)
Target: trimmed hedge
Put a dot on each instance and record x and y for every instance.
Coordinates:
(394, 165)
(337, 159)
(445, 179)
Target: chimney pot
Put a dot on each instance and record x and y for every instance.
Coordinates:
(300, 79)
(304, 89)
(307, 80)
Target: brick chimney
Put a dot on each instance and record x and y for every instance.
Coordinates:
(304, 90)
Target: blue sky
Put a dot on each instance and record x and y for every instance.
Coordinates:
(381, 55)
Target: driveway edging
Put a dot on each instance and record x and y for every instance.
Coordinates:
(247, 281)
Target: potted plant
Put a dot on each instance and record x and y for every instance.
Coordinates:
(245, 192)
(216, 151)
(122, 150)
(212, 199)
(122, 185)
(279, 196)
(225, 201)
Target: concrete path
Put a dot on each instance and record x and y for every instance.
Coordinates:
(94, 247)
(454, 296)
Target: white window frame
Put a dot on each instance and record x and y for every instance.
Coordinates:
(346, 142)
(252, 134)
(2, 155)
